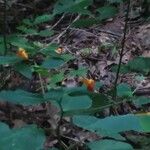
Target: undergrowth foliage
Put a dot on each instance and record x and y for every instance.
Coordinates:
(18, 52)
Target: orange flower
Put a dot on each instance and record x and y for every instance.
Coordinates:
(90, 83)
(59, 50)
(22, 54)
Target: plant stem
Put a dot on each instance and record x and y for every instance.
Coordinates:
(4, 27)
(41, 81)
(122, 51)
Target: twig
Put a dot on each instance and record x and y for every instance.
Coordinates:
(42, 85)
(82, 30)
(4, 27)
(62, 17)
(64, 31)
(121, 52)
(109, 32)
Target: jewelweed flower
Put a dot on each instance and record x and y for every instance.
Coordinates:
(90, 84)
(22, 54)
(59, 50)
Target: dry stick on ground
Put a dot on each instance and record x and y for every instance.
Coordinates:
(62, 17)
(64, 31)
(121, 52)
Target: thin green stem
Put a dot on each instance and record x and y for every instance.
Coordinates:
(41, 82)
(121, 52)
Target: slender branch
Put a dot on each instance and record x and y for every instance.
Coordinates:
(4, 27)
(62, 17)
(64, 31)
(41, 83)
(122, 51)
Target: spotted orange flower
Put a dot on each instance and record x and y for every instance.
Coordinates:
(90, 83)
(59, 50)
(22, 54)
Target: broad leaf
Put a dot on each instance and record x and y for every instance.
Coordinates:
(43, 18)
(123, 90)
(57, 78)
(72, 6)
(29, 137)
(75, 103)
(107, 12)
(21, 97)
(46, 32)
(20, 42)
(140, 64)
(145, 121)
(9, 60)
(110, 125)
(26, 30)
(50, 49)
(109, 145)
(54, 94)
(52, 63)
(141, 101)
(99, 101)
(86, 22)
(81, 72)
(115, 1)
(24, 69)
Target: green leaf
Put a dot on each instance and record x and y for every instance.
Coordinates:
(123, 69)
(124, 90)
(20, 42)
(109, 145)
(115, 1)
(107, 12)
(21, 97)
(9, 60)
(50, 49)
(27, 22)
(86, 22)
(140, 64)
(24, 69)
(74, 103)
(72, 6)
(139, 101)
(46, 32)
(54, 94)
(42, 71)
(52, 63)
(145, 121)
(26, 30)
(57, 78)
(43, 18)
(80, 72)
(29, 137)
(99, 101)
(67, 57)
(110, 125)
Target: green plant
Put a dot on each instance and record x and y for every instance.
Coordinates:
(79, 103)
